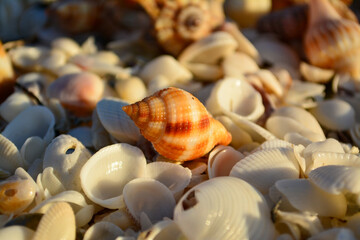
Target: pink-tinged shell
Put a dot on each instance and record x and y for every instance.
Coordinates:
(331, 41)
(78, 92)
(178, 125)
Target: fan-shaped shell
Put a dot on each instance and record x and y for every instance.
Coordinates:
(235, 97)
(10, 157)
(105, 174)
(224, 208)
(331, 41)
(177, 124)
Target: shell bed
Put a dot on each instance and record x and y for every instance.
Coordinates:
(179, 119)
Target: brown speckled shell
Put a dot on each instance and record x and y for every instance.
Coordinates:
(333, 42)
(177, 124)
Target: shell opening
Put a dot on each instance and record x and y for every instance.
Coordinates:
(190, 201)
(10, 192)
(70, 150)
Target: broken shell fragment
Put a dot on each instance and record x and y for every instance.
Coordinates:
(177, 124)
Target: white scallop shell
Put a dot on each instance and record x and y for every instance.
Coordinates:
(149, 196)
(16, 232)
(105, 174)
(167, 66)
(14, 104)
(33, 121)
(221, 160)
(116, 121)
(263, 168)
(103, 230)
(173, 176)
(334, 114)
(235, 97)
(237, 64)
(337, 179)
(218, 209)
(66, 155)
(334, 158)
(302, 93)
(32, 149)
(59, 220)
(10, 157)
(305, 196)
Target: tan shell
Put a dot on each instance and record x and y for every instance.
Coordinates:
(177, 124)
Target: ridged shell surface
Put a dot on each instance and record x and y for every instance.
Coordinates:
(177, 124)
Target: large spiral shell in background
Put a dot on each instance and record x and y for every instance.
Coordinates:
(177, 124)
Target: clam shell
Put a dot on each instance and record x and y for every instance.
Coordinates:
(14, 104)
(173, 176)
(207, 212)
(51, 60)
(167, 66)
(60, 214)
(177, 124)
(302, 94)
(10, 157)
(315, 74)
(235, 97)
(221, 160)
(115, 120)
(66, 155)
(131, 90)
(264, 167)
(237, 64)
(32, 149)
(33, 121)
(296, 138)
(145, 195)
(334, 114)
(103, 230)
(105, 174)
(51, 182)
(305, 196)
(16, 232)
(26, 57)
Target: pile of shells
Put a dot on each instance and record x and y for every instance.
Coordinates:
(185, 127)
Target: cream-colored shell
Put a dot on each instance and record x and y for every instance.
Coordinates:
(83, 134)
(67, 45)
(131, 89)
(14, 104)
(10, 157)
(32, 149)
(237, 64)
(167, 66)
(16, 232)
(217, 209)
(334, 114)
(66, 155)
(235, 97)
(103, 230)
(302, 94)
(315, 74)
(264, 167)
(144, 195)
(105, 174)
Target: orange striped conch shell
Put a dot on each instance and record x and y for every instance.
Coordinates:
(178, 125)
(331, 41)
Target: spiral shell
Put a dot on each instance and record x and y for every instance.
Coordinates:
(177, 124)
(332, 42)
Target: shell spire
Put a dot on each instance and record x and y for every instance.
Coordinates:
(178, 125)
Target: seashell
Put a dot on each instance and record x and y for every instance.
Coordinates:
(330, 30)
(25, 57)
(104, 175)
(268, 81)
(59, 214)
(296, 139)
(32, 149)
(221, 160)
(241, 100)
(146, 195)
(33, 121)
(315, 74)
(335, 234)
(51, 60)
(78, 92)
(175, 117)
(103, 230)
(108, 57)
(173, 176)
(66, 155)
(67, 68)
(244, 45)
(246, 13)
(16, 232)
(177, 24)
(100, 137)
(353, 223)
(302, 94)
(10, 157)
(237, 64)
(131, 90)
(158, 83)
(211, 215)
(166, 66)
(61, 119)
(265, 167)
(162, 230)
(33, 82)
(6, 74)
(337, 179)
(83, 134)
(328, 145)
(16, 195)
(297, 192)
(207, 52)
(67, 45)
(115, 121)
(334, 114)
(51, 182)
(240, 136)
